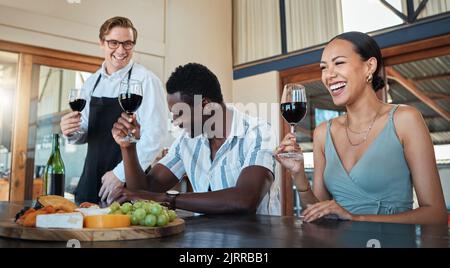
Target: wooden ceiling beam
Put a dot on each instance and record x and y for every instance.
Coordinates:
(432, 77)
(418, 50)
(413, 89)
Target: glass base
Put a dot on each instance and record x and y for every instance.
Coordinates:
(130, 139)
(294, 156)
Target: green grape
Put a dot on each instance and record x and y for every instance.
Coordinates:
(139, 213)
(134, 220)
(137, 205)
(172, 215)
(118, 212)
(114, 206)
(156, 209)
(150, 220)
(162, 220)
(126, 207)
(148, 207)
(164, 212)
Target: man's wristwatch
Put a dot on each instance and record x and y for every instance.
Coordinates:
(172, 195)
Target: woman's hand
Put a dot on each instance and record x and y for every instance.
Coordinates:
(70, 123)
(125, 124)
(322, 209)
(288, 145)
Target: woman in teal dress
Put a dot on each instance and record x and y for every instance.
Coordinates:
(367, 161)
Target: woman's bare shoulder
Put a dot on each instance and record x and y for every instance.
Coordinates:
(407, 116)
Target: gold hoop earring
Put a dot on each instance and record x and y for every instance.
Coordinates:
(369, 78)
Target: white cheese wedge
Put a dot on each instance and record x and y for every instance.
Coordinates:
(60, 220)
(93, 211)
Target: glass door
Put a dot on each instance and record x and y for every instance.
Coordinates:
(49, 103)
(8, 81)
(34, 86)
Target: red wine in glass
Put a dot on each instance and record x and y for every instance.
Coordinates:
(130, 102)
(293, 109)
(76, 102)
(130, 98)
(77, 105)
(293, 112)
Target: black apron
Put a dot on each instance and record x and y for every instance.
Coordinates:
(103, 153)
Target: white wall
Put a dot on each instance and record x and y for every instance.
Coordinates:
(59, 25)
(262, 88)
(263, 92)
(200, 31)
(170, 32)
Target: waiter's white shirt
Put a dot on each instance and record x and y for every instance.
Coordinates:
(152, 115)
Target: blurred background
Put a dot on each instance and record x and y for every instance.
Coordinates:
(254, 47)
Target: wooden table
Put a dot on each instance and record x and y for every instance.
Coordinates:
(258, 231)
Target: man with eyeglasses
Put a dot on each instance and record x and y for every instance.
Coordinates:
(103, 168)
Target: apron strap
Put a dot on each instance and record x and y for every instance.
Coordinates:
(100, 76)
(96, 83)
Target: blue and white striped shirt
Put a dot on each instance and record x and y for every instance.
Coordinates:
(250, 143)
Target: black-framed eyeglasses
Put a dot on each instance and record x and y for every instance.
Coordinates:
(114, 44)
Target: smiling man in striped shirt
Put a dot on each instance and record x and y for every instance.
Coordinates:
(226, 154)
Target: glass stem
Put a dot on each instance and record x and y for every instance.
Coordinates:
(293, 129)
(130, 135)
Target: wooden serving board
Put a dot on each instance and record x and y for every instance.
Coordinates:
(12, 230)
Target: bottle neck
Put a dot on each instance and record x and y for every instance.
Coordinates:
(55, 160)
(55, 146)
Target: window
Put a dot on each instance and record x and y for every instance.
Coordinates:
(311, 22)
(256, 30)
(432, 8)
(369, 15)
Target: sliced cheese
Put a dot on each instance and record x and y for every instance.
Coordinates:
(107, 221)
(60, 220)
(93, 211)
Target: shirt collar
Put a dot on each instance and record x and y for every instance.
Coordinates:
(118, 73)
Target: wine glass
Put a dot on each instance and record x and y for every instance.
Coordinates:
(130, 98)
(293, 109)
(76, 102)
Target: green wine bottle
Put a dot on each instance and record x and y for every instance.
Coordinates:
(54, 173)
